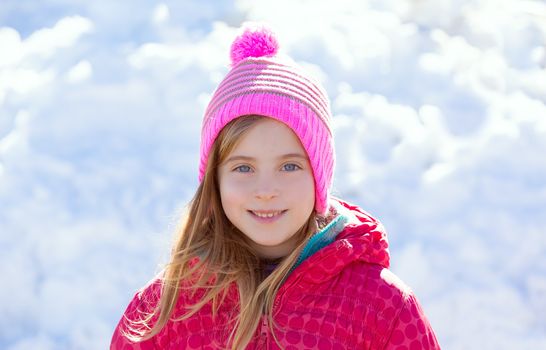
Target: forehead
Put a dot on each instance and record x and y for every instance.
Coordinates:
(269, 137)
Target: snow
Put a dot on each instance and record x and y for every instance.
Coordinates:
(440, 125)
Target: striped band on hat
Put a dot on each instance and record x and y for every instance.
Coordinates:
(253, 76)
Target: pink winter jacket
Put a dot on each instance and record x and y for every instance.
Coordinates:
(342, 296)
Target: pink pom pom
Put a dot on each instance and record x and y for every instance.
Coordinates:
(255, 41)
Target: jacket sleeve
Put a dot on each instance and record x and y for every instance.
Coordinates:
(412, 329)
(142, 303)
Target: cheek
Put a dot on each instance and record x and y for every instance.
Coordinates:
(229, 203)
(304, 186)
(231, 191)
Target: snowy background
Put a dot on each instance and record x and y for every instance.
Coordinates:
(440, 123)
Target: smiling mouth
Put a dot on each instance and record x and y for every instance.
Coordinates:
(267, 214)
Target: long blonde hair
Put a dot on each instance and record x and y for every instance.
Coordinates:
(210, 254)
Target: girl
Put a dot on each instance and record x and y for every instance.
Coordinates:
(266, 258)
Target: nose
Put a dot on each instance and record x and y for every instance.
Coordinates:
(266, 188)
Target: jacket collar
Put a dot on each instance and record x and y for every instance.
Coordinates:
(349, 235)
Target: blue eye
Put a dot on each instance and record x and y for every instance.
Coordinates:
(242, 169)
(291, 167)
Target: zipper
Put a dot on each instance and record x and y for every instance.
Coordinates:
(304, 254)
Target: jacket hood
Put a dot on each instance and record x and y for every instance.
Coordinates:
(352, 236)
(365, 234)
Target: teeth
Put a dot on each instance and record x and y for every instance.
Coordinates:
(267, 215)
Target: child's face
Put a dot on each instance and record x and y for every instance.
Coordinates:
(267, 187)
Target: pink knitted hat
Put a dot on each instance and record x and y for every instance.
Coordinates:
(261, 83)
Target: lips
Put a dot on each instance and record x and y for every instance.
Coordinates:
(267, 214)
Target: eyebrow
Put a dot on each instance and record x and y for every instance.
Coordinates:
(249, 159)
